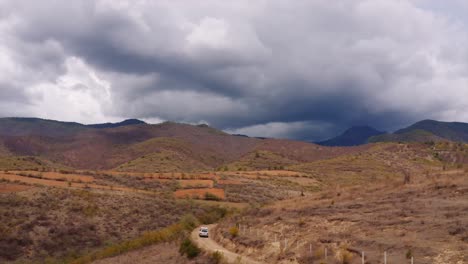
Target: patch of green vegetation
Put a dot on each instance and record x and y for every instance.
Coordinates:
(189, 248)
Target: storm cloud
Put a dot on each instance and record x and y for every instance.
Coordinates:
(296, 69)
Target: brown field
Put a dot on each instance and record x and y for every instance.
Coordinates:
(57, 176)
(424, 219)
(64, 184)
(58, 225)
(11, 188)
(195, 183)
(273, 173)
(230, 182)
(223, 204)
(185, 183)
(200, 193)
(166, 253)
(166, 175)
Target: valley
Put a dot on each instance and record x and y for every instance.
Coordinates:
(102, 194)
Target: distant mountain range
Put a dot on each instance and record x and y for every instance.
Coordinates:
(422, 131)
(20, 126)
(127, 122)
(428, 130)
(133, 145)
(354, 136)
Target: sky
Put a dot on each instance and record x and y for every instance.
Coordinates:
(303, 69)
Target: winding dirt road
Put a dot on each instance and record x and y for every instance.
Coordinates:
(209, 245)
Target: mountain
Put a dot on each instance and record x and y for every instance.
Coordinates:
(162, 147)
(416, 135)
(27, 126)
(20, 126)
(453, 131)
(127, 122)
(354, 136)
(428, 130)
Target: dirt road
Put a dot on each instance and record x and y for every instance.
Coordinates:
(209, 245)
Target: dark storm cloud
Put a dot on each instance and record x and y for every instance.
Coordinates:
(302, 69)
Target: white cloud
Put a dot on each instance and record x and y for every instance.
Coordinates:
(78, 95)
(283, 130)
(262, 65)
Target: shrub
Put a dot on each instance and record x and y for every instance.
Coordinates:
(211, 197)
(148, 238)
(344, 256)
(217, 258)
(214, 214)
(234, 231)
(189, 248)
(409, 254)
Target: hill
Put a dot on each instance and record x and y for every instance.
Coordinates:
(127, 122)
(354, 136)
(26, 126)
(19, 126)
(167, 146)
(427, 130)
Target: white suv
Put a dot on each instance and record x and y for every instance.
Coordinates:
(203, 232)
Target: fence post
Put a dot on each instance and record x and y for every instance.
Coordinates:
(385, 257)
(362, 257)
(326, 254)
(412, 260)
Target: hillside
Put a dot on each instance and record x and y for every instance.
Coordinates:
(354, 136)
(422, 220)
(22, 126)
(18, 126)
(86, 190)
(127, 122)
(163, 147)
(427, 130)
(416, 135)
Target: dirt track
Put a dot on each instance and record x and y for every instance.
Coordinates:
(209, 245)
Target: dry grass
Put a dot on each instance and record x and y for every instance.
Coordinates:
(195, 183)
(12, 188)
(426, 217)
(230, 182)
(65, 184)
(55, 225)
(199, 193)
(56, 176)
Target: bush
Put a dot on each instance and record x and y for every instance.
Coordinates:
(189, 248)
(409, 254)
(345, 257)
(211, 197)
(217, 258)
(212, 215)
(234, 231)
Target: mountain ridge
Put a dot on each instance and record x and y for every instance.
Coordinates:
(354, 136)
(427, 130)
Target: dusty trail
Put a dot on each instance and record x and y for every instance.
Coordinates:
(209, 245)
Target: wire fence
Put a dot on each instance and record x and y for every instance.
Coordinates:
(283, 244)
